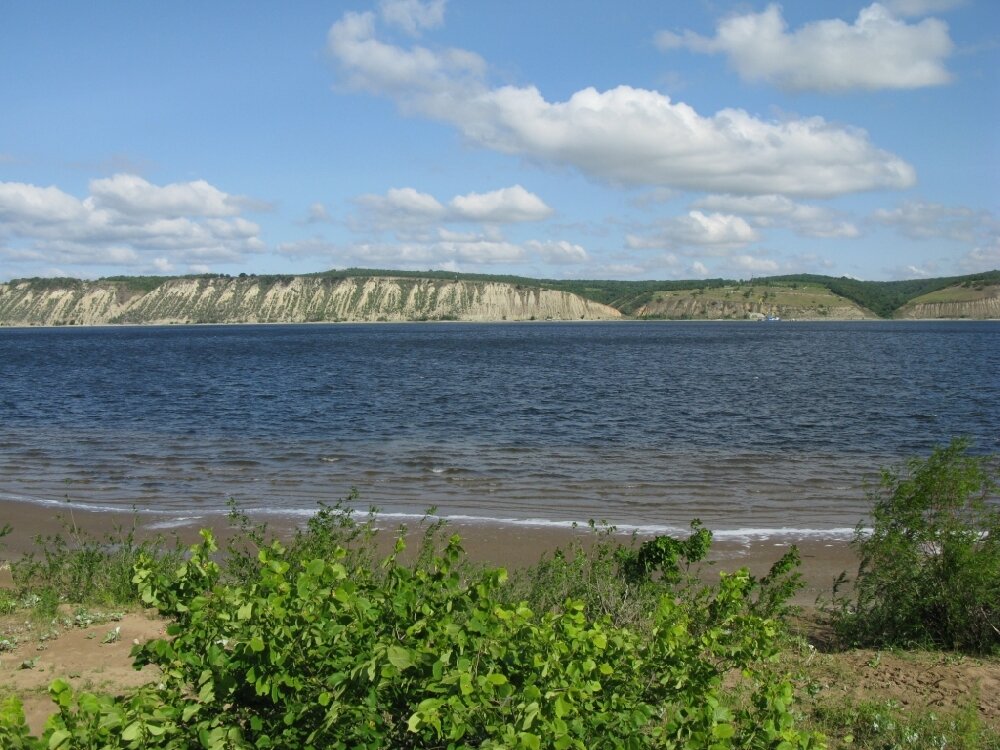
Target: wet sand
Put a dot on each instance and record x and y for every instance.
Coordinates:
(508, 546)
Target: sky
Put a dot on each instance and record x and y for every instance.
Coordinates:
(584, 139)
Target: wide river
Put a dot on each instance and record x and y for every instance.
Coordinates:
(759, 429)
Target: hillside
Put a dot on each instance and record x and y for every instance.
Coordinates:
(287, 299)
(741, 302)
(969, 300)
(383, 295)
(646, 298)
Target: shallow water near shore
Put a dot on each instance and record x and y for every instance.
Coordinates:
(759, 429)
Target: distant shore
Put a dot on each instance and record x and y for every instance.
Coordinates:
(269, 323)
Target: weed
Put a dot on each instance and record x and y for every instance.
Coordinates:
(75, 567)
(884, 725)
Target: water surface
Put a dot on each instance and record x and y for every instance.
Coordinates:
(753, 427)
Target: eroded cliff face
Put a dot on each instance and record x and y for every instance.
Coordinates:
(688, 306)
(287, 300)
(983, 305)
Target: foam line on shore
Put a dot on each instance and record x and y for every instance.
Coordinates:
(741, 534)
(173, 519)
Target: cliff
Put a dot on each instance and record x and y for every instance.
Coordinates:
(743, 302)
(287, 299)
(972, 301)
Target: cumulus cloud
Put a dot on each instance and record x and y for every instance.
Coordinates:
(877, 51)
(777, 210)
(408, 207)
(371, 64)
(132, 196)
(625, 135)
(125, 220)
(559, 251)
(698, 229)
(400, 207)
(413, 16)
(503, 206)
(454, 248)
(754, 264)
(920, 220)
(317, 214)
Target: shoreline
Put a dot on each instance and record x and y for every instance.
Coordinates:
(498, 544)
(176, 324)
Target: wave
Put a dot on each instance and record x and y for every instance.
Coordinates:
(172, 519)
(741, 534)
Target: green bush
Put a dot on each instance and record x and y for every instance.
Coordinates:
(317, 653)
(929, 570)
(624, 582)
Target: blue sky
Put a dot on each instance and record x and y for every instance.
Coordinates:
(586, 139)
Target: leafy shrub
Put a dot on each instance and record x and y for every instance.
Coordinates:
(929, 570)
(624, 583)
(312, 653)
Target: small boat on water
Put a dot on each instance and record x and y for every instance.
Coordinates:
(772, 319)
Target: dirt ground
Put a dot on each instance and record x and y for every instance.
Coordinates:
(919, 682)
(88, 648)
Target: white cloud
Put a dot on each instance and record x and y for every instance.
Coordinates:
(401, 206)
(753, 263)
(920, 220)
(699, 229)
(624, 135)
(507, 205)
(559, 251)
(699, 269)
(405, 208)
(877, 51)
(433, 252)
(132, 196)
(317, 214)
(376, 66)
(413, 16)
(777, 210)
(124, 220)
(23, 203)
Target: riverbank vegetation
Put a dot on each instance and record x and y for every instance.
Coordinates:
(322, 639)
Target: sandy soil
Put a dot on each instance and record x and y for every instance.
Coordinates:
(94, 657)
(39, 652)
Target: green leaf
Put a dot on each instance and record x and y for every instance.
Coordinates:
(399, 657)
(59, 739)
(529, 740)
(723, 731)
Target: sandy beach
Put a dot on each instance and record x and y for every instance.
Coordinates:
(502, 545)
